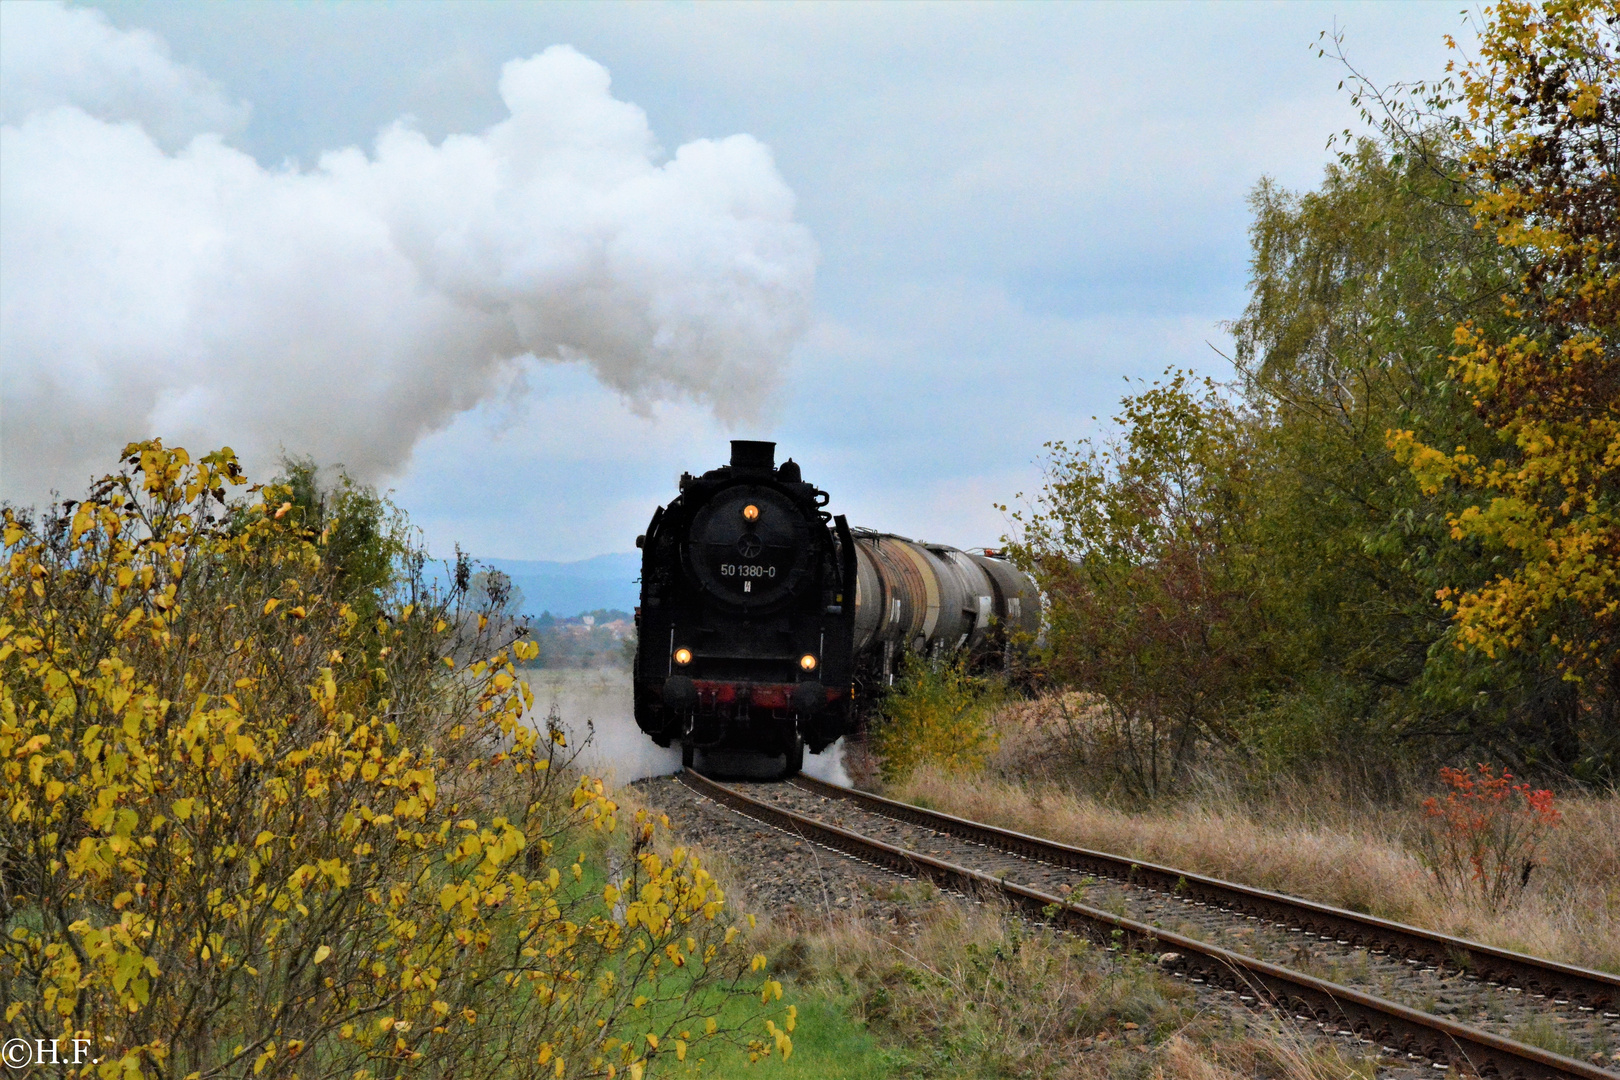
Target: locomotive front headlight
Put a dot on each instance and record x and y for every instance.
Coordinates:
(751, 512)
(683, 656)
(807, 662)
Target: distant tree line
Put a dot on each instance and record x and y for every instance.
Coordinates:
(604, 638)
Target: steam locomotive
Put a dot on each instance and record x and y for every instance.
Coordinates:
(766, 623)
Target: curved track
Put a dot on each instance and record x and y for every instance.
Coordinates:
(1342, 1009)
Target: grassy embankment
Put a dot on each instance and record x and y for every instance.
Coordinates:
(1320, 836)
(964, 991)
(970, 992)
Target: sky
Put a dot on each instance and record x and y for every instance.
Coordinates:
(523, 265)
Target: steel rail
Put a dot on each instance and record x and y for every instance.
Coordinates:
(1338, 1008)
(1563, 983)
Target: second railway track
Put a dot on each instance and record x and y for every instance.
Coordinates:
(1293, 954)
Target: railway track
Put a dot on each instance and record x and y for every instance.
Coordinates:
(1402, 1028)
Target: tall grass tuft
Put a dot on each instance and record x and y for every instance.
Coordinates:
(1319, 836)
(972, 991)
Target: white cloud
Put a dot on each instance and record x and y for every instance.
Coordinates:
(52, 56)
(350, 310)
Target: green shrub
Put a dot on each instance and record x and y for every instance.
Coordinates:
(937, 714)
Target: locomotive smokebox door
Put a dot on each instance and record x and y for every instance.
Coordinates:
(751, 547)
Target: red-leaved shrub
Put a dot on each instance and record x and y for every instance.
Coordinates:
(1483, 834)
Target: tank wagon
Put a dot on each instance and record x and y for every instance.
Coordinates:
(766, 622)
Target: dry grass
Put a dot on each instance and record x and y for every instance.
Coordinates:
(969, 992)
(952, 989)
(1320, 837)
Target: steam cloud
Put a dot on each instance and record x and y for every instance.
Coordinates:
(158, 281)
(597, 711)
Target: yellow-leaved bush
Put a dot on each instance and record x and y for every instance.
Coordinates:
(1542, 101)
(938, 714)
(246, 832)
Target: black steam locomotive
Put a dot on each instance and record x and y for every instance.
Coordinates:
(764, 619)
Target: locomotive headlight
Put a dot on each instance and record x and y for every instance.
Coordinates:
(807, 662)
(683, 656)
(751, 512)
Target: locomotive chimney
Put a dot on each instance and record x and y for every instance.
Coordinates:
(749, 454)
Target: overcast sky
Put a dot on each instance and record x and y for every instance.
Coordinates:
(945, 237)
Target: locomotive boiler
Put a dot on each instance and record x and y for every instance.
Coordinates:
(766, 623)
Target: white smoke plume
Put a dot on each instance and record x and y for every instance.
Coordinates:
(158, 281)
(597, 711)
(829, 765)
(52, 57)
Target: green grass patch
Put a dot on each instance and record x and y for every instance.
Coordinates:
(827, 1045)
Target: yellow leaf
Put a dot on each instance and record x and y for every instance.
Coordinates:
(322, 953)
(270, 605)
(182, 808)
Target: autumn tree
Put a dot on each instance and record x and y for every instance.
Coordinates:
(363, 536)
(1403, 536)
(1141, 544)
(1539, 138)
(1355, 287)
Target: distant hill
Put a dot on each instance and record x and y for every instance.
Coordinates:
(569, 588)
